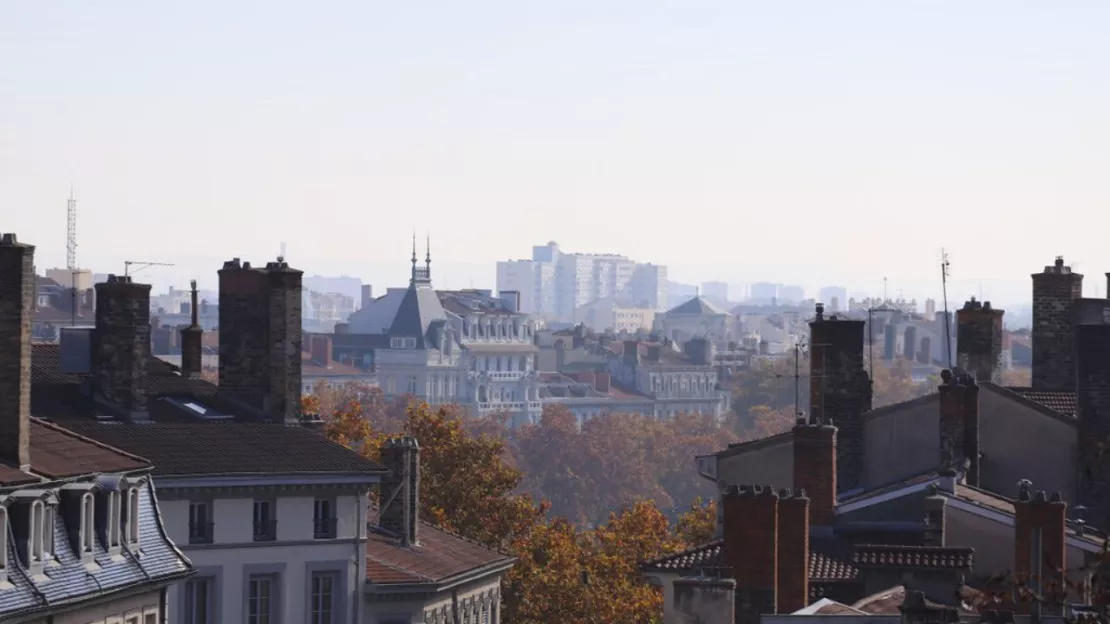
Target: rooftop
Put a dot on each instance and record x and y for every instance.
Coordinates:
(440, 557)
(57, 453)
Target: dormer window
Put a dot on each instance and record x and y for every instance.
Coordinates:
(113, 522)
(88, 523)
(131, 517)
(3, 544)
(48, 514)
(36, 532)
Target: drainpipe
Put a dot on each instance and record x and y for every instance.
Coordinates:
(360, 554)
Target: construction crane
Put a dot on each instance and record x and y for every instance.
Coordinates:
(140, 265)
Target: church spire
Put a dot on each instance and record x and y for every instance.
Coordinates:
(428, 254)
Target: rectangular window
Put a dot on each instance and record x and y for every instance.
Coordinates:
(198, 601)
(200, 522)
(323, 609)
(260, 600)
(323, 518)
(265, 522)
(48, 531)
(88, 523)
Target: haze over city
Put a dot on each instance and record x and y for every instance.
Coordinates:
(793, 142)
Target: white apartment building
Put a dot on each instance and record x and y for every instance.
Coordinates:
(464, 347)
(554, 284)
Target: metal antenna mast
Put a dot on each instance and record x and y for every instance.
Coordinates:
(71, 232)
(944, 266)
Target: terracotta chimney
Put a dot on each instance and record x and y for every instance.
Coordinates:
(192, 339)
(399, 497)
(602, 382)
(17, 307)
(751, 548)
(321, 350)
(815, 469)
(1039, 517)
(793, 535)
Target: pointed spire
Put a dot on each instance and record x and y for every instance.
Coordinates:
(414, 255)
(428, 247)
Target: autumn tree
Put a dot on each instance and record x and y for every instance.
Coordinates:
(698, 525)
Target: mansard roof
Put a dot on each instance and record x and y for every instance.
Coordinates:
(72, 581)
(419, 309)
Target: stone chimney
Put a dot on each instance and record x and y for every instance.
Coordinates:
(793, 535)
(399, 495)
(1054, 290)
(934, 521)
(260, 337)
(702, 600)
(751, 548)
(631, 353)
(840, 389)
(17, 307)
(1040, 532)
(121, 344)
(367, 293)
(1092, 346)
(192, 339)
(959, 422)
(979, 340)
(815, 469)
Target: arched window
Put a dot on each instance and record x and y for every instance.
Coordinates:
(114, 519)
(133, 497)
(88, 523)
(48, 516)
(35, 534)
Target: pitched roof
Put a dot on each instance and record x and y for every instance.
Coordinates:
(823, 568)
(1062, 402)
(57, 453)
(420, 307)
(229, 448)
(439, 557)
(697, 305)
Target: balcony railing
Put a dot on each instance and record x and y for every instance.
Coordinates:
(200, 532)
(499, 375)
(323, 528)
(265, 530)
(510, 405)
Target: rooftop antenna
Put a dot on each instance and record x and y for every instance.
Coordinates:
(140, 265)
(71, 231)
(944, 270)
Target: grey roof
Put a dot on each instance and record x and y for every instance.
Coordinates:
(419, 308)
(697, 305)
(70, 581)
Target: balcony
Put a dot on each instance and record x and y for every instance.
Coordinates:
(499, 375)
(324, 528)
(201, 532)
(510, 406)
(265, 530)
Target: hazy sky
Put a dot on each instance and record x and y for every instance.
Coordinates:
(808, 142)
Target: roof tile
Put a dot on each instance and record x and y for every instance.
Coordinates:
(439, 556)
(932, 557)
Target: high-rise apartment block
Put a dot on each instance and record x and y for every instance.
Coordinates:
(554, 284)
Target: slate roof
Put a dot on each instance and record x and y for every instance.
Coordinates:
(58, 453)
(823, 568)
(229, 448)
(697, 305)
(70, 581)
(930, 557)
(439, 557)
(420, 307)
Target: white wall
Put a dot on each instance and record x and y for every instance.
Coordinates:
(141, 605)
(233, 554)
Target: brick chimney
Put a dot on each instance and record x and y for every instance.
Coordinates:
(840, 389)
(17, 307)
(959, 422)
(367, 292)
(751, 548)
(260, 337)
(793, 535)
(321, 350)
(815, 469)
(979, 340)
(631, 353)
(602, 381)
(121, 344)
(399, 495)
(1041, 518)
(192, 339)
(1054, 290)
(1092, 346)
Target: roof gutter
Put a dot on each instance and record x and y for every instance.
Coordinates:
(445, 584)
(255, 479)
